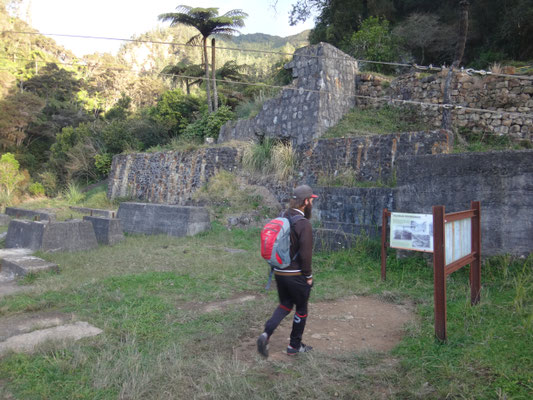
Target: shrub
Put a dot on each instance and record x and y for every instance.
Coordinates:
(209, 124)
(49, 182)
(10, 177)
(36, 189)
(102, 162)
(270, 157)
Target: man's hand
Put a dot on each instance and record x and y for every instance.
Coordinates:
(310, 281)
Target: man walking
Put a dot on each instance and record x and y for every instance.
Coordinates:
(294, 282)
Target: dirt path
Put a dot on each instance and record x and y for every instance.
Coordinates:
(355, 323)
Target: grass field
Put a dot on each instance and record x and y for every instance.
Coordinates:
(144, 294)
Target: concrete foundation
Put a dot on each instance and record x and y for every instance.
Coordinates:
(39, 215)
(70, 235)
(23, 265)
(172, 220)
(108, 231)
(95, 212)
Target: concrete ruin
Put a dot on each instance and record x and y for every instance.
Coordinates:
(108, 231)
(39, 215)
(171, 220)
(70, 235)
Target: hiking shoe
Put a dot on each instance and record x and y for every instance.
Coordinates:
(262, 344)
(291, 351)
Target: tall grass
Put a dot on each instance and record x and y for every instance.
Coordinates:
(73, 194)
(146, 292)
(270, 157)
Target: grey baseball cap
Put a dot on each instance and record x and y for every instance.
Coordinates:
(303, 192)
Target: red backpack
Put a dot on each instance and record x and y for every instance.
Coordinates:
(276, 242)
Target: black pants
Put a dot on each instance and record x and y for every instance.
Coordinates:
(292, 290)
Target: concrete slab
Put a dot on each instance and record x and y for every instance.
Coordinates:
(23, 265)
(95, 212)
(172, 220)
(40, 214)
(70, 235)
(25, 234)
(15, 252)
(25, 323)
(28, 342)
(8, 288)
(108, 231)
(4, 219)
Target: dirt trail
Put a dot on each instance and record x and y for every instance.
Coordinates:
(356, 323)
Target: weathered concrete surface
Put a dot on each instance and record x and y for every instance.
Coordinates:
(4, 219)
(23, 265)
(153, 219)
(14, 252)
(332, 240)
(502, 181)
(27, 342)
(96, 212)
(70, 235)
(108, 231)
(41, 215)
(24, 323)
(25, 234)
(352, 210)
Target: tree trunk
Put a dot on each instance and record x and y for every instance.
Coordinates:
(207, 84)
(459, 52)
(215, 94)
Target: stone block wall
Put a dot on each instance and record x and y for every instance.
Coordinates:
(300, 113)
(501, 181)
(168, 177)
(372, 158)
(488, 92)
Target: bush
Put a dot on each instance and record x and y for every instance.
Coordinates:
(36, 189)
(102, 162)
(373, 41)
(270, 157)
(49, 182)
(209, 124)
(10, 177)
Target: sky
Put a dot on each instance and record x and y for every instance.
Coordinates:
(125, 18)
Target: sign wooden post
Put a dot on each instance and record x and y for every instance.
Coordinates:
(456, 242)
(439, 275)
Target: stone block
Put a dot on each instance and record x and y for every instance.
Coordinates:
(73, 235)
(23, 265)
(172, 220)
(4, 219)
(25, 234)
(40, 215)
(70, 235)
(108, 231)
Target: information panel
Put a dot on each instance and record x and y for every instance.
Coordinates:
(411, 231)
(458, 239)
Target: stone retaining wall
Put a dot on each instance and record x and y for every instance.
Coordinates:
(167, 177)
(300, 113)
(488, 92)
(502, 181)
(370, 158)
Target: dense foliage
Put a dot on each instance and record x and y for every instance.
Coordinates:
(428, 29)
